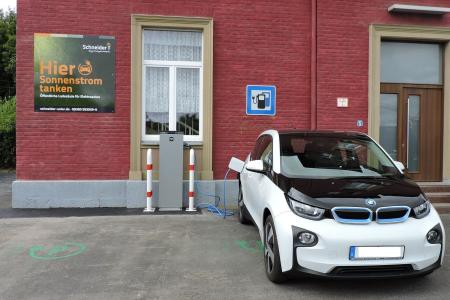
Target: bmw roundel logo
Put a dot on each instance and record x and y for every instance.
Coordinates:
(371, 202)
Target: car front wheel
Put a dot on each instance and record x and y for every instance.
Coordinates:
(271, 253)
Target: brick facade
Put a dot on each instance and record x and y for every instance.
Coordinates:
(255, 42)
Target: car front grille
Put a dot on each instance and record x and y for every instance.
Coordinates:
(352, 215)
(372, 270)
(363, 215)
(392, 214)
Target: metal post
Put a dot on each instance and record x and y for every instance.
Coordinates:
(149, 207)
(191, 180)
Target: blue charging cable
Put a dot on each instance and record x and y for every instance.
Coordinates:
(214, 208)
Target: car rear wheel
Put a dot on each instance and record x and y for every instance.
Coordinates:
(271, 253)
(242, 212)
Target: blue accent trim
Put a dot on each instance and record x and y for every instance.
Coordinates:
(393, 220)
(351, 256)
(352, 221)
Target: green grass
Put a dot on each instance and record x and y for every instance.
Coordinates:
(8, 133)
(8, 114)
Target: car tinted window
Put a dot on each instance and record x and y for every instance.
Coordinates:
(332, 156)
(260, 146)
(267, 156)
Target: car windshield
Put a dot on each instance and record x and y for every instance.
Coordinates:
(333, 157)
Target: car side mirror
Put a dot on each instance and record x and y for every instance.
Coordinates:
(399, 165)
(256, 166)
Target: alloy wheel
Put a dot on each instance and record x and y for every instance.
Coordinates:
(269, 256)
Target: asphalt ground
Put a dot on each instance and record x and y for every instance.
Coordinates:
(126, 255)
(165, 257)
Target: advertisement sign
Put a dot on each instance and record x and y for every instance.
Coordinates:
(74, 73)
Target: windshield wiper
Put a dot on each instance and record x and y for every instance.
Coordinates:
(354, 177)
(381, 177)
(392, 176)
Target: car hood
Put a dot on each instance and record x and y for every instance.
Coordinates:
(331, 192)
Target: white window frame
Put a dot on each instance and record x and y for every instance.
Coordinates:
(172, 65)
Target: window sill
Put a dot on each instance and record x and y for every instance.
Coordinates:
(151, 144)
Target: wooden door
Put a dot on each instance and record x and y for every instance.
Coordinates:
(418, 141)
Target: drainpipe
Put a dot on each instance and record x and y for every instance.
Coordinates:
(313, 64)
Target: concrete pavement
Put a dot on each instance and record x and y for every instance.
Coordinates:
(165, 257)
(121, 254)
(6, 178)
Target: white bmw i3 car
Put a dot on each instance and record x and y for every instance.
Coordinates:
(334, 204)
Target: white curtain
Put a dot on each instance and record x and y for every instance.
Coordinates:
(188, 90)
(170, 45)
(157, 94)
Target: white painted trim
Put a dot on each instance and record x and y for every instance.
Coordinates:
(172, 99)
(173, 63)
(418, 9)
(173, 66)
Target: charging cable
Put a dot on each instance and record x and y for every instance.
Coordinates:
(214, 208)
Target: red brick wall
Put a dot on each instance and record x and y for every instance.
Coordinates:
(255, 42)
(343, 55)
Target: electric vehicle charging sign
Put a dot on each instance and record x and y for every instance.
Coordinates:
(261, 100)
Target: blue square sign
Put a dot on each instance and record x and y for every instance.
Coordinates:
(261, 100)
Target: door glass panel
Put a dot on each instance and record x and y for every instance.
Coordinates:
(156, 100)
(413, 132)
(388, 123)
(411, 63)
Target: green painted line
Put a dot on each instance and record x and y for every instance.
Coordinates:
(66, 250)
(250, 246)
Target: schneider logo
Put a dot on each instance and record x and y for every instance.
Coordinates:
(97, 48)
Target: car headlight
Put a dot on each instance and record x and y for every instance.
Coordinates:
(422, 210)
(305, 210)
(434, 236)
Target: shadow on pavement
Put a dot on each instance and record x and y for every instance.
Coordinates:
(8, 213)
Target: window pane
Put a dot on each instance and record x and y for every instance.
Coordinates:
(170, 45)
(188, 100)
(156, 100)
(411, 63)
(413, 132)
(388, 123)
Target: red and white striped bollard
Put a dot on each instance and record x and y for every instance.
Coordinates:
(149, 168)
(191, 181)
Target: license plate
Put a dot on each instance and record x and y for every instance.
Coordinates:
(376, 252)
